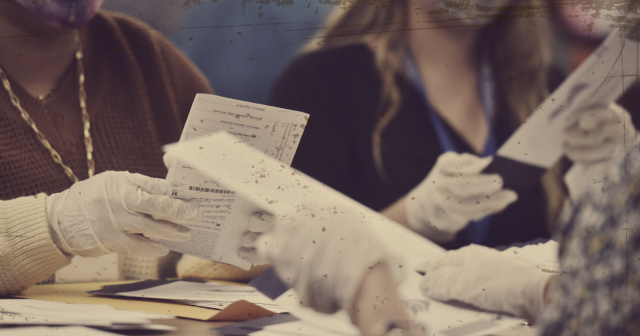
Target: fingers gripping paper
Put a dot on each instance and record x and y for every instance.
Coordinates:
(264, 184)
(601, 79)
(273, 131)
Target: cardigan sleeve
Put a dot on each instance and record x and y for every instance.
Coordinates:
(326, 85)
(27, 252)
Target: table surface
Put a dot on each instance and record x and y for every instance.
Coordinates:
(186, 326)
(76, 293)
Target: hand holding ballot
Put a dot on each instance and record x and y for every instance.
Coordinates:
(118, 212)
(593, 139)
(453, 194)
(597, 133)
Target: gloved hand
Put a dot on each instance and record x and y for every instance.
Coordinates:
(116, 212)
(592, 140)
(453, 194)
(597, 133)
(488, 279)
(167, 159)
(323, 251)
(259, 224)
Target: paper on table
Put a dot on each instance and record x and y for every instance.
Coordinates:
(209, 294)
(599, 80)
(273, 131)
(55, 331)
(77, 294)
(85, 314)
(39, 312)
(442, 319)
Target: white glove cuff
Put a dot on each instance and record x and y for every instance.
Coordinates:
(52, 216)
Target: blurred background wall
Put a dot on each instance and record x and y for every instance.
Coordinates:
(243, 45)
(240, 45)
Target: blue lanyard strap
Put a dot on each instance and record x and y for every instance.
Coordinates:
(475, 231)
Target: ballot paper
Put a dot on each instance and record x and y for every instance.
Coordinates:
(273, 131)
(277, 189)
(601, 79)
(267, 184)
(37, 312)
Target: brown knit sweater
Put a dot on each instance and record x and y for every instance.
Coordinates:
(139, 92)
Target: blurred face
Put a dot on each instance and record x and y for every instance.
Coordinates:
(587, 20)
(63, 14)
(468, 12)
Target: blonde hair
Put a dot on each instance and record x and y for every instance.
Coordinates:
(519, 68)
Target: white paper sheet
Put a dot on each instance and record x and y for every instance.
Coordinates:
(281, 189)
(210, 295)
(600, 80)
(268, 185)
(55, 331)
(273, 131)
(34, 312)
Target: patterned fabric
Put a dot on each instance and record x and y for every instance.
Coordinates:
(599, 235)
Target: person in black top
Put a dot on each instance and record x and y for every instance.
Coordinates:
(387, 103)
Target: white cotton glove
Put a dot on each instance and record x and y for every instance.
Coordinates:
(487, 279)
(167, 159)
(453, 194)
(323, 251)
(592, 140)
(116, 212)
(598, 133)
(259, 224)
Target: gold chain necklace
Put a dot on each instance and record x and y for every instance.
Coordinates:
(85, 118)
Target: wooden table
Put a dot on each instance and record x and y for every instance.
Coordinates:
(185, 327)
(76, 293)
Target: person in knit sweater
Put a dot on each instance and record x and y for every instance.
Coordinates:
(139, 89)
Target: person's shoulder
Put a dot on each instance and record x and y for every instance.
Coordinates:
(341, 73)
(125, 27)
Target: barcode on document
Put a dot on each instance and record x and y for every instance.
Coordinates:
(211, 190)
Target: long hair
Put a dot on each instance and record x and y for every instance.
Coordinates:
(516, 45)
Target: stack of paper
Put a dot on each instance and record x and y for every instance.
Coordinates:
(54, 331)
(208, 295)
(36, 312)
